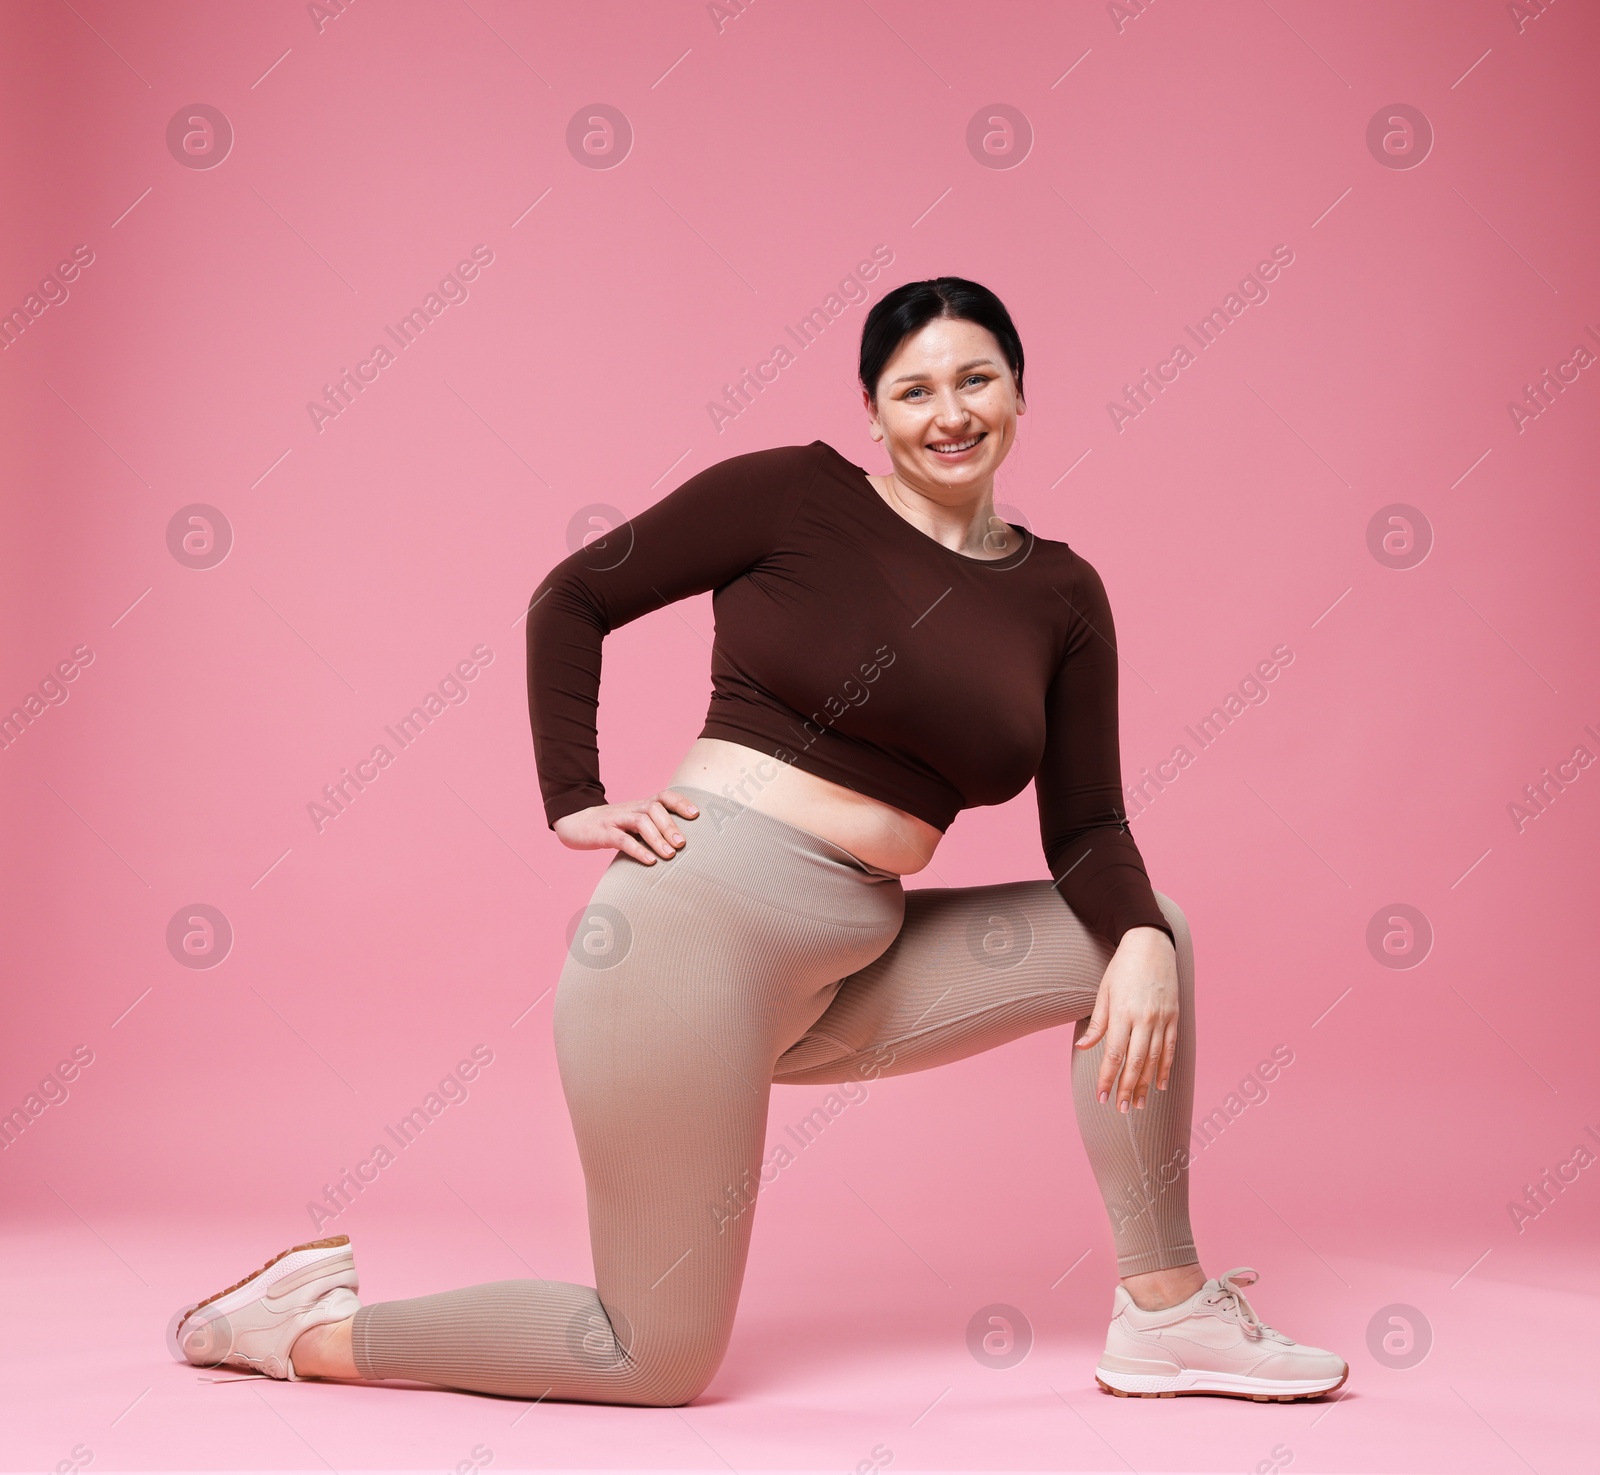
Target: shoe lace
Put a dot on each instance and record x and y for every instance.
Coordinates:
(1230, 1297)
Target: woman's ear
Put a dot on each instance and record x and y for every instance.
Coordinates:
(874, 429)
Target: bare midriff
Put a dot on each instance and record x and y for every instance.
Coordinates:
(869, 829)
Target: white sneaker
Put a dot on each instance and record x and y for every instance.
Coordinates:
(254, 1323)
(1212, 1343)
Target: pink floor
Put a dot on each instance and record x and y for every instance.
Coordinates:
(811, 1383)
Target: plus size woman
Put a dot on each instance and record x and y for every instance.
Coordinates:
(888, 652)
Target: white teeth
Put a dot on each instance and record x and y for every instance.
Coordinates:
(956, 445)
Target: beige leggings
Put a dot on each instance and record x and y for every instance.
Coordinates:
(764, 954)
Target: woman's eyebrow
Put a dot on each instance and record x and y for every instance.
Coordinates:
(960, 369)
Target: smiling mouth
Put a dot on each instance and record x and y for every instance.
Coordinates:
(955, 447)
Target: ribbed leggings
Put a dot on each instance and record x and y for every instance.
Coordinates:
(762, 954)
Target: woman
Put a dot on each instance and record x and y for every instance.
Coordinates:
(888, 652)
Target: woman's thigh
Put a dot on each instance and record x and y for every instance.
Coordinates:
(971, 968)
(684, 983)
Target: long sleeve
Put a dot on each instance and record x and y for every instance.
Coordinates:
(1082, 820)
(713, 528)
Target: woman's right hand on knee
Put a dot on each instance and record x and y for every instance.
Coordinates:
(1136, 1015)
(640, 828)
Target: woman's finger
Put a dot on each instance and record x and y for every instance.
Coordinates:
(645, 828)
(1152, 1063)
(678, 804)
(1115, 1058)
(1093, 1029)
(1138, 1050)
(665, 823)
(1096, 1026)
(1168, 1055)
(621, 840)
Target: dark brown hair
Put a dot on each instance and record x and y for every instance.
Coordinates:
(910, 308)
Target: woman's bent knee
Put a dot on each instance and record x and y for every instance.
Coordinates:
(673, 1381)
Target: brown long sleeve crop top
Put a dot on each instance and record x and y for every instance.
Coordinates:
(853, 645)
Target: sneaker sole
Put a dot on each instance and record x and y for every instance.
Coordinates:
(315, 1269)
(1227, 1385)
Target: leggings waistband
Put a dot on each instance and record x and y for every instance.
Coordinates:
(726, 813)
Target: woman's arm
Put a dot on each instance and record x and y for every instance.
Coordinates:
(714, 527)
(1082, 821)
(1096, 864)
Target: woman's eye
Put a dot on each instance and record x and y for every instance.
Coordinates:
(967, 383)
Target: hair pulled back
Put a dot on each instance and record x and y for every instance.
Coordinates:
(909, 308)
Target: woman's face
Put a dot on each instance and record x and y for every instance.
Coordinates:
(947, 408)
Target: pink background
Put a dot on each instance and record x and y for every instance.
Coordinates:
(1168, 156)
